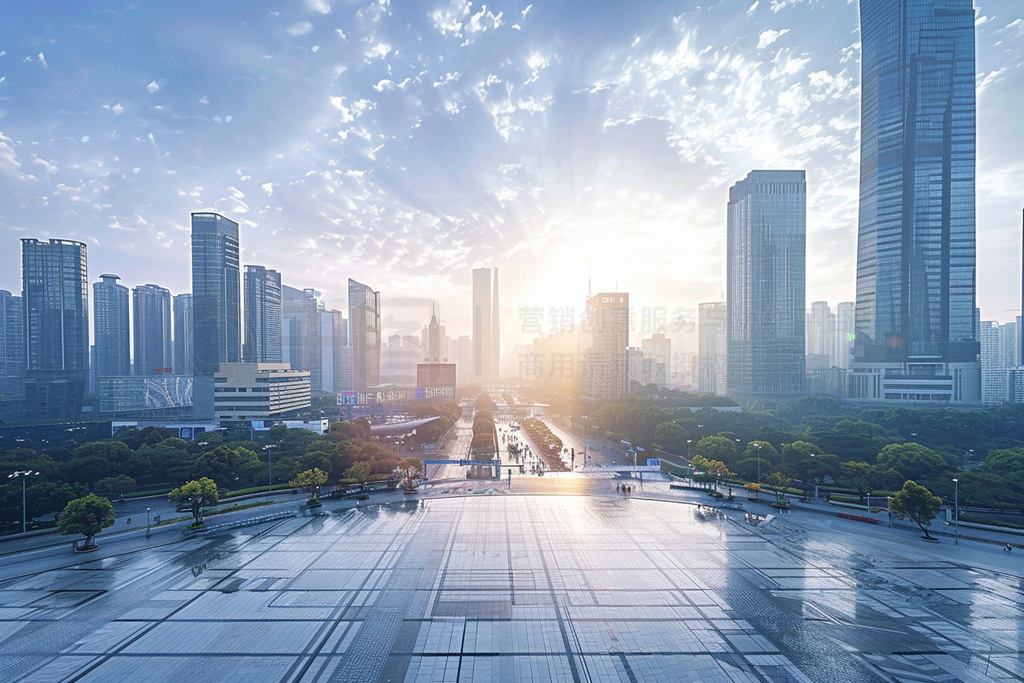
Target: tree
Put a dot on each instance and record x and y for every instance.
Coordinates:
(767, 452)
(88, 516)
(912, 460)
(314, 479)
(198, 493)
(857, 475)
(717, 448)
(780, 482)
(115, 486)
(917, 503)
(672, 437)
(360, 471)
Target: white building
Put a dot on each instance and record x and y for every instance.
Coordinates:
(259, 391)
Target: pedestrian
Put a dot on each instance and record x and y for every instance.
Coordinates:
(1008, 548)
(130, 521)
(616, 488)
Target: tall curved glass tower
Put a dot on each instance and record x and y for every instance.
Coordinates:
(916, 337)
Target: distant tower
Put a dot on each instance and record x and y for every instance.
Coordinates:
(152, 326)
(182, 305)
(495, 333)
(216, 303)
(12, 346)
(111, 327)
(483, 326)
(55, 290)
(766, 262)
(364, 335)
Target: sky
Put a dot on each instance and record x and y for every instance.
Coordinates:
(404, 143)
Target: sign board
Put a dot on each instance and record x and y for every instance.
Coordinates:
(395, 395)
(653, 462)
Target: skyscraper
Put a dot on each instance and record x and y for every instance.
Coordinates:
(262, 308)
(916, 336)
(436, 342)
(151, 324)
(182, 334)
(311, 351)
(711, 348)
(12, 346)
(215, 303)
(604, 340)
(495, 332)
(111, 327)
(845, 332)
(483, 326)
(821, 337)
(766, 262)
(364, 334)
(55, 286)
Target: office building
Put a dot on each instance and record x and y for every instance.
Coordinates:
(659, 349)
(845, 333)
(437, 380)
(216, 303)
(483, 326)
(182, 305)
(712, 348)
(640, 371)
(12, 347)
(604, 338)
(151, 325)
(111, 327)
(262, 315)
(495, 331)
(158, 397)
(364, 335)
(821, 337)
(258, 391)
(994, 375)
(916, 334)
(55, 289)
(463, 355)
(399, 359)
(766, 261)
(333, 340)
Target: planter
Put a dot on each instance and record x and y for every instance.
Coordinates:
(409, 490)
(85, 548)
(314, 504)
(781, 506)
(929, 539)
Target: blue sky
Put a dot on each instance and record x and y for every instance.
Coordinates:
(403, 143)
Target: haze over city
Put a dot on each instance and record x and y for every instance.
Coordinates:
(402, 144)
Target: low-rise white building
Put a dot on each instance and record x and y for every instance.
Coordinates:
(259, 391)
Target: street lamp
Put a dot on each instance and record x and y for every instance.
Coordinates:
(956, 511)
(270, 466)
(758, 447)
(147, 521)
(25, 474)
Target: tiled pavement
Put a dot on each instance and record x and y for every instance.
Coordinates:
(513, 588)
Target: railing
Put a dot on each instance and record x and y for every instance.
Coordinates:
(227, 526)
(856, 518)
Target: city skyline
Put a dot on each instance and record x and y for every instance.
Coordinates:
(473, 184)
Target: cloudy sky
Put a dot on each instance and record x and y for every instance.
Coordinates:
(403, 143)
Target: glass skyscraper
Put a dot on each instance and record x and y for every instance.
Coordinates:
(12, 347)
(151, 305)
(111, 327)
(55, 303)
(364, 334)
(765, 288)
(182, 305)
(216, 302)
(262, 315)
(916, 336)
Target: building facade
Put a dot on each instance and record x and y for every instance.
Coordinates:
(151, 324)
(712, 348)
(259, 391)
(483, 326)
(364, 335)
(55, 289)
(766, 263)
(262, 311)
(916, 333)
(658, 348)
(111, 327)
(216, 303)
(604, 340)
(182, 305)
(12, 347)
(159, 397)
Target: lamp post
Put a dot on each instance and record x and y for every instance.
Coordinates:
(147, 521)
(758, 447)
(270, 465)
(956, 511)
(24, 474)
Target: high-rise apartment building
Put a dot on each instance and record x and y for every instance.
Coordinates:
(766, 262)
(311, 354)
(216, 303)
(712, 348)
(12, 346)
(262, 315)
(111, 327)
(604, 340)
(485, 326)
(364, 334)
(916, 336)
(55, 289)
(182, 305)
(151, 324)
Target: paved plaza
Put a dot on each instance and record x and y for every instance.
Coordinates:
(506, 587)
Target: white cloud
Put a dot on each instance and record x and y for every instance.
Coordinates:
(42, 59)
(152, 87)
(379, 51)
(8, 158)
(85, 138)
(204, 100)
(321, 6)
(316, 48)
(299, 29)
(753, 7)
(768, 37)
(268, 188)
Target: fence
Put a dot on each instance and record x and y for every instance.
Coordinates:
(273, 516)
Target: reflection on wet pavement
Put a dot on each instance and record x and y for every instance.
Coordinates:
(511, 588)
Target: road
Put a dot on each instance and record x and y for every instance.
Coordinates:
(597, 454)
